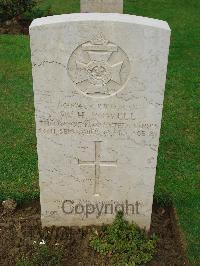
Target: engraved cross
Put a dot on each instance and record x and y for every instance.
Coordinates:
(98, 164)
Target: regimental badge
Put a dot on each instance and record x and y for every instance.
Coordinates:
(99, 68)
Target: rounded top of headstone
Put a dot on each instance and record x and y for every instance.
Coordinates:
(112, 17)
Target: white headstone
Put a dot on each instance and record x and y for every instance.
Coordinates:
(101, 6)
(99, 85)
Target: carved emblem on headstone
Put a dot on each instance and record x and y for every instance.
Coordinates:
(97, 163)
(99, 68)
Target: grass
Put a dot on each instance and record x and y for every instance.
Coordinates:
(179, 152)
(61, 6)
(18, 157)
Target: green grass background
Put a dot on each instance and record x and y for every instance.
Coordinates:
(179, 152)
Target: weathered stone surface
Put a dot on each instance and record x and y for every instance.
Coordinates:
(101, 6)
(99, 85)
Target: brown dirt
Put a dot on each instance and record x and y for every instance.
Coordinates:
(14, 26)
(20, 229)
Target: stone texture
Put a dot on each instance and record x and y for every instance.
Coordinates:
(99, 85)
(101, 6)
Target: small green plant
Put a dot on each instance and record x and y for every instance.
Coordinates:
(43, 256)
(12, 8)
(124, 243)
(24, 262)
(25, 10)
(36, 12)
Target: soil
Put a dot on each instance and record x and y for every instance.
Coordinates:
(15, 26)
(21, 228)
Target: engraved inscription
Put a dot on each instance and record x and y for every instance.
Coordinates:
(99, 68)
(98, 163)
(98, 120)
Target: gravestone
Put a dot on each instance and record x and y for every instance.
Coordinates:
(99, 84)
(101, 6)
